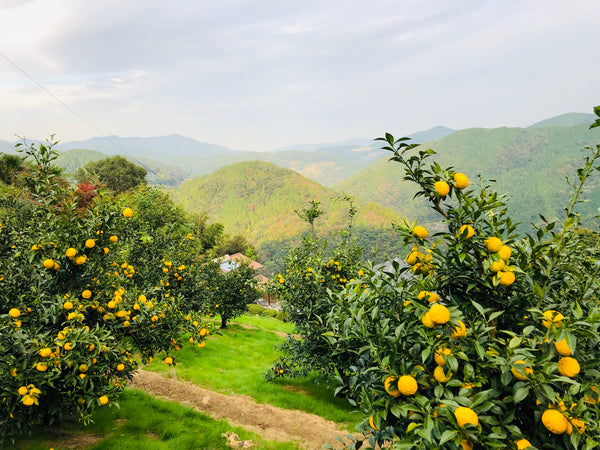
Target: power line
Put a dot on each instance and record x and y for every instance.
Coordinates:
(51, 94)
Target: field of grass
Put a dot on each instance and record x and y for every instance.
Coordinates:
(237, 361)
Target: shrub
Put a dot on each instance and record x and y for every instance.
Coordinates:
(312, 271)
(499, 331)
(77, 303)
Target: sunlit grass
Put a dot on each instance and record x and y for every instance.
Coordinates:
(146, 422)
(264, 322)
(236, 361)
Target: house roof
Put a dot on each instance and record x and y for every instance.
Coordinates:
(243, 258)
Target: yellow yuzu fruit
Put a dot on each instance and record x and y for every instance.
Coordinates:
(497, 266)
(391, 386)
(439, 314)
(493, 244)
(568, 367)
(442, 188)
(563, 348)
(555, 421)
(372, 424)
(552, 318)
(522, 444)
(504, 252)
(420, 232)
(465, 415)
(45, 352)
(521, 365)
(466, 445)
(507, 278)
(407, 385)
(459, 331)
(466, 231)
(441, 376)
(439, 355)
(426, 320)
(461, 181)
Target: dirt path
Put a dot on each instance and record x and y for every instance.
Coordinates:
(308, 430)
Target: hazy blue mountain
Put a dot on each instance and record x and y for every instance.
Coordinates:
(433, 134)
(7, 147)
(352, 142)
(167, 149)
(566, 120)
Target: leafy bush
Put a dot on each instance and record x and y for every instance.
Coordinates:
(77, 302)
(262, 311)
(312, 271)
(483, 338)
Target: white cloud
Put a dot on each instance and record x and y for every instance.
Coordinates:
(252, 74)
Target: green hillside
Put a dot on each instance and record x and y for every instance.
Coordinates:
(530, 165)
(258, 199)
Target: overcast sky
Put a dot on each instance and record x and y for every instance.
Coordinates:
(260, 75)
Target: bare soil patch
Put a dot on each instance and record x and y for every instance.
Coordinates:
(282, 334)
(308, 430)
(59, 437)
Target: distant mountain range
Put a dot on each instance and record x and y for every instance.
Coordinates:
(529, 164)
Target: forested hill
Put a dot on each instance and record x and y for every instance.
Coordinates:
(528, 164)
(259, 199)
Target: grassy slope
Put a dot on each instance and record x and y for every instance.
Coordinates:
(530, 165)
(237, 361)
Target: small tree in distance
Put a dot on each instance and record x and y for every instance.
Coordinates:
(116, 173)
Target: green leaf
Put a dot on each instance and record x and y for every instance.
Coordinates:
(478, 307)
(411, 426)
(480, 351)
(447, 436)
(520, 394)
(514, 342)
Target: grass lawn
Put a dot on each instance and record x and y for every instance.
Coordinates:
(148, 423)
(236, 362)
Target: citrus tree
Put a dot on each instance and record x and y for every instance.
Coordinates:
(481, 338)
(313, 270)
(75, 311)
